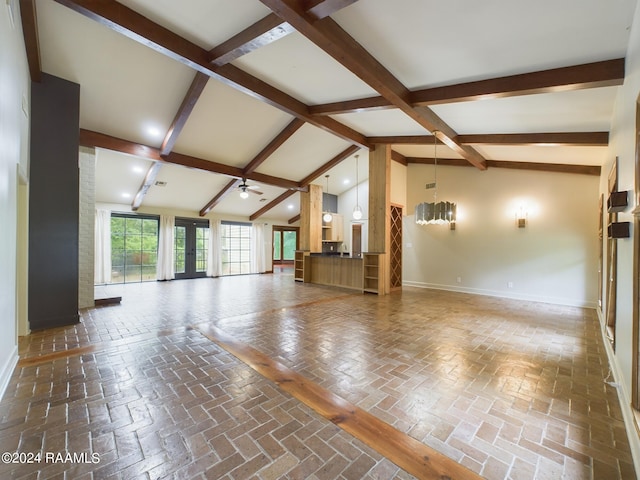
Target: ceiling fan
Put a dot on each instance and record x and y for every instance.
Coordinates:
(245, 189)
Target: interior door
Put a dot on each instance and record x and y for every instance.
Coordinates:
(191, 239)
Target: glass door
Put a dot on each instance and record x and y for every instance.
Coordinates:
(191, 239)
(285, 244)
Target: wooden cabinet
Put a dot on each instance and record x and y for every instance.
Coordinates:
(300, 265)
(333, 231)
(373, 273)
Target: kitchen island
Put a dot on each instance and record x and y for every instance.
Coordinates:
(355, 273)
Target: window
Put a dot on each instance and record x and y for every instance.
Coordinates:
(236, 248)
(134, 248)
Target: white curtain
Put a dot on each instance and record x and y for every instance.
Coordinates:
(102, 247)
(214, 257)
(165, 269)
(258, 257)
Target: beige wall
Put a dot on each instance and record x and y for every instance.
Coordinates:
(622, 145)
(14, 146)
(553, 259)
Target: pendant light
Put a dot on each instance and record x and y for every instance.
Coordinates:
(327, 216)
(357, 211)
(436, 212)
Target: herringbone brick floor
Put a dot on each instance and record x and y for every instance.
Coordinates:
(512, 390)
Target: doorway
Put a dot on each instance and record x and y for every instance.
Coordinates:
(285, 244)
(191, 239)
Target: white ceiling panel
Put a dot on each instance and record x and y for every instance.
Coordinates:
(228, 126)
(119, 176)
(375, 123)
(296, 66)
(308, 149)
(429, 43)
(202, 186)
(576, 111)
(206, 23)
(127, 90)
(126, 87)
(425, 151)
(567, 155)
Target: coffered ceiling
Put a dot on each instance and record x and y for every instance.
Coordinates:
(283, 92)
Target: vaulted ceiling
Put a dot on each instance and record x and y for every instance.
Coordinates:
(198, 94)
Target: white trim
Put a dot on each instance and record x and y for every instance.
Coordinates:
(7, 370)
(623, 396)
(497, 293)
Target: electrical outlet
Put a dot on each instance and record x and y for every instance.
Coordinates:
(510, 285)
(459, 279)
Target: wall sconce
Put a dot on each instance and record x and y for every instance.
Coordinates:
(521, 217)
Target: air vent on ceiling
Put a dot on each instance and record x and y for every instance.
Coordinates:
(161, 184)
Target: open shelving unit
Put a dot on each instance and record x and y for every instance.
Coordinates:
(301, 273)
(373, 273)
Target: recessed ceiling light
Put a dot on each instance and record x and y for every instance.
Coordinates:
(290, 207)
(154, 131)
(346, 181)
(138, 169)
(126, 195)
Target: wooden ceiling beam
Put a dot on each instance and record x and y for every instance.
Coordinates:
(193, 162)
(547, 167)
(351, 106)
(398, 157)
(99, 140)
(266, 152)
(267, 30)
(404, 140)
(186, 107)
(591, 75)
(586, 139)
(591, 139)
(190, 99)
(320, 9)
(309, 178)
(93, 139)
(263, 32)
(329, 165)
(336, 42)
(126, 21)
(293, 219)
(272, 204)
(536, 166)
(276, 143)
(228, 188)
(149, 179)
(29, 17)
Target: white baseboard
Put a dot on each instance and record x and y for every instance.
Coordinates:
(7, 370)
(503, 294)
(623, 396)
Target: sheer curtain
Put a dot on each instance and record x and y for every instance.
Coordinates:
(102, 246)
(214, 258)
(258, 256)
(165, 269)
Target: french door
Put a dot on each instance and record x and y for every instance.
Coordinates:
(285, 244)
(191, 239)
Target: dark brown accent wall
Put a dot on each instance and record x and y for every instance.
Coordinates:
(53, 203)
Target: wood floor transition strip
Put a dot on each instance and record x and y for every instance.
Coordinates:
(35, 360)
(405, 451)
